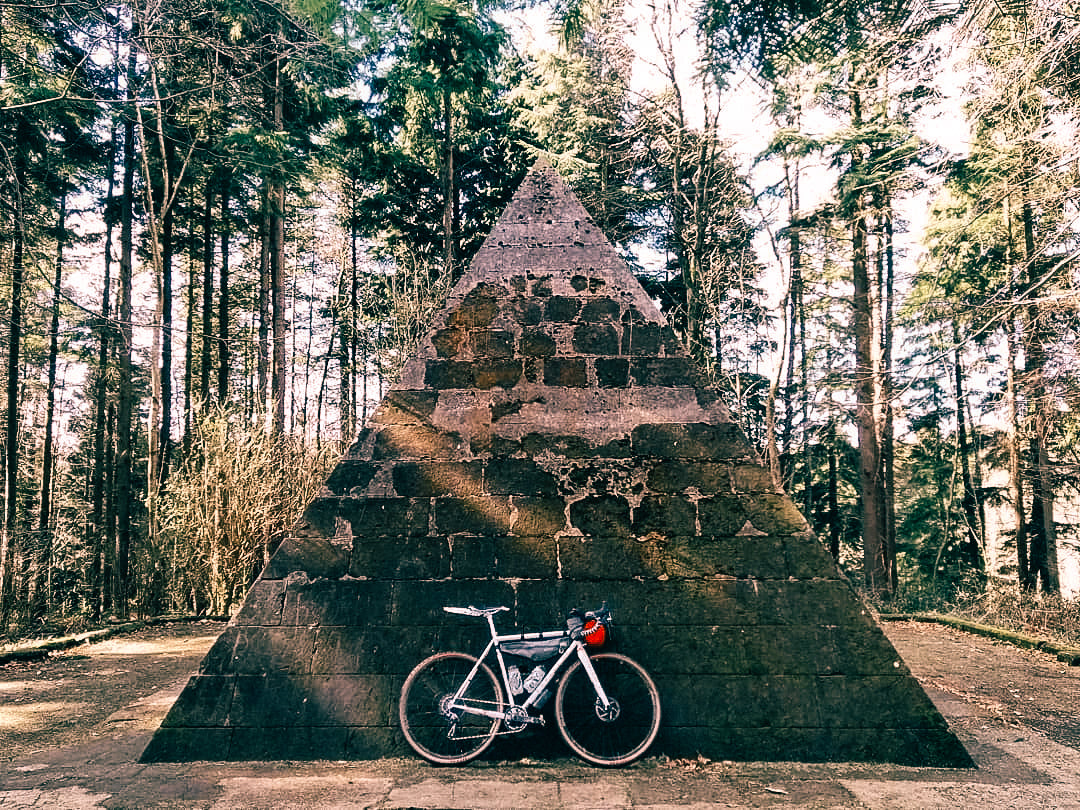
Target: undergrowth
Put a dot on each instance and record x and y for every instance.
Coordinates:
(1038, 614)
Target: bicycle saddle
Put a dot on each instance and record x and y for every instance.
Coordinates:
(472, 610)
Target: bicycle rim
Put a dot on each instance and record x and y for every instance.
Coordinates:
(608, 738)
(441, 735)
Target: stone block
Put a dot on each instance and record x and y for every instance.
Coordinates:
(721, 515)
(601, 516)
(822, 601)
(537, 344)
(661, 371)
(407, 407)
(614, 558)
(612, 372)
(263, 604)
(452, 374)
(679, 475)
(313, 556)
(187, 745)
(205, 701)
(518, 476)
(859, 651)
(752, 479)
(271, 699)
(401, 558)
(484, 515)
(525, 311)
(449, 343)
(538, 517)
(420, 604)
(886, 701)
(641, 339)
(495, 343)
(574, 447)
(601, 309)
(496, 373)
(690, 649)
(526, 557)
(273, 649)
(665, 515)
(595, 338)
(565, 372)
(540, 286)
(562, 309)
(426, 479)
(344, 602)
(374, 742)
(725, 556)
(472, 557)
(301, 743)
(690, 441)
(385, 517)
(774, 514)
(218, 661)
(477, 309)
(351, 700)
(807, 558)
(416, 442)
(350, 477)
(367, 649)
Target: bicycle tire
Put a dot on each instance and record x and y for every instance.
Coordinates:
(433, 732)
(616, 740)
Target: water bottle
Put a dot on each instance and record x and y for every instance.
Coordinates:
(533, 679)
(513, 675)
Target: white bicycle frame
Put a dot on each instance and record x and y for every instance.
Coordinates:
(576, 648)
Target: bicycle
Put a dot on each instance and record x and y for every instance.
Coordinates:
(607, 708)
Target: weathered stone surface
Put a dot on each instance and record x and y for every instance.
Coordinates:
(565, 372)
(612, 372)
(490, 515)
(593, 338)
(538, 517)
(205, 702)
(601, 516)
(549, 447)
(518, 476)
(537, 344)
(665, 515)
(401, 558)
(428, 479)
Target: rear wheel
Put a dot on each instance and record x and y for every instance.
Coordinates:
(612, 735)
(437, 731)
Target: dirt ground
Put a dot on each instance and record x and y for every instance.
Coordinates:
(95, 690)
(103, 689)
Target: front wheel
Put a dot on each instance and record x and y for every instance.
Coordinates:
(438, 728)
(619, 733)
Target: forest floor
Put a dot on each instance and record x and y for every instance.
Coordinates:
(72, 728)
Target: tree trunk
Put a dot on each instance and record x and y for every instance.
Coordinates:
(45, 501)
(223, 291)
(11, 425)
(165, 425)
(190, 337)
(876, 569)
(973, 542)
(263, 304)
(206, 362)
(126, 393)
(884, 409)
(1043, 546)
(276, 200)
(448, 182)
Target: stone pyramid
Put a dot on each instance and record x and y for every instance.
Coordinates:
(548, 447)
